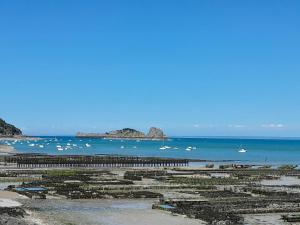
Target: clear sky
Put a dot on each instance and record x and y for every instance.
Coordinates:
(191, 67)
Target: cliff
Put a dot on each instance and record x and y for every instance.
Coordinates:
(154, 133)
(8, 129)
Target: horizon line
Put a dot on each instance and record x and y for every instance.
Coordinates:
(199, 136)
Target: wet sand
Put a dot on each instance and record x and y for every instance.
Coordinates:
(11, 195)
(4, 202)
(283, 181)
(266, 219)
(102, 212)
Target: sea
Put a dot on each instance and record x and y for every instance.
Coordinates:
(258, 151)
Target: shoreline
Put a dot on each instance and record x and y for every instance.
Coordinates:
(122, 138)
(5, 149)
(19, 138)
(131, 195)
(189, 163)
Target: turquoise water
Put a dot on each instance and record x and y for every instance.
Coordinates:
(259, 151)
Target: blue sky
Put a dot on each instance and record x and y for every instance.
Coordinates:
(191, 67)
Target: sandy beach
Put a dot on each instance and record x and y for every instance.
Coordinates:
(11, 195)
(7, 149)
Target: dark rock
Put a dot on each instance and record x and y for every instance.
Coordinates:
(13, 216)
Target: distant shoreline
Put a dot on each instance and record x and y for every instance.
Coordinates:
(122, 138)
(19, 137)
(38, 137)
(239, 137)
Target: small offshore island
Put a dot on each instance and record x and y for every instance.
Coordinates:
(127, 133)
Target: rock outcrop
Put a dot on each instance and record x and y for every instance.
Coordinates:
(154, 133)
(8, 129)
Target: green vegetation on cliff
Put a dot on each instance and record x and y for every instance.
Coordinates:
(154, 133)
(8, 129)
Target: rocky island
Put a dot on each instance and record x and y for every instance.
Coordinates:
(126, 133)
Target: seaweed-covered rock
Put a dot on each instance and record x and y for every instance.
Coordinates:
(13, 216)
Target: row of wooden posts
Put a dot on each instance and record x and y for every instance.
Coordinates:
(42, 161)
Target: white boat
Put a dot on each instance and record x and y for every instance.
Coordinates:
(60, 149)
(87, 145)
(242, 150)
(122, 146)
(68, 144)
(31, 145)
(188, 149)
(58, 146)
(41, 146)
(164, 147)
